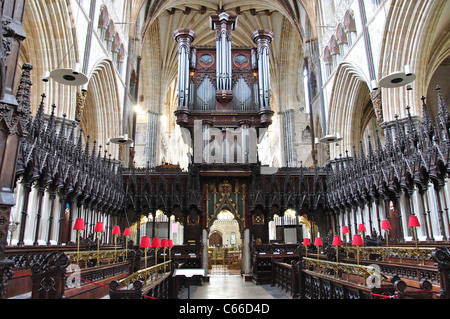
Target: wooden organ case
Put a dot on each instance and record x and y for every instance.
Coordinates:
(224, 103)
(224, 86)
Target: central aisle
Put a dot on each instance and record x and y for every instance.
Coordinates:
(232, 287)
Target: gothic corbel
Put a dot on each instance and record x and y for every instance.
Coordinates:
(375, 96)
(80, 102)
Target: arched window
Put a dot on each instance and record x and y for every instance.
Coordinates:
(334, 50)
(327, 60)
(115, 47)
(120, 58)
(350, 27)
(103, 20)
(109, 35)
(341, 38)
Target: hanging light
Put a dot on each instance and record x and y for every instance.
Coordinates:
(122, 140)
(398, 79)
(72, 76)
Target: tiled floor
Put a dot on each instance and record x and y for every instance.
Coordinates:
(232, 287)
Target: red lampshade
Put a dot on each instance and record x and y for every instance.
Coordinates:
(116, 230)
(361, 227)
(337, 241)
(170, 242)
(79, 224)
(156, 243)
(318, 242)
(127, 232)
(345, 230)
(164, 243)
(99, 227)
(145, 242)
(413, 221)
(385, 224)
(357, 240)
(306, 242)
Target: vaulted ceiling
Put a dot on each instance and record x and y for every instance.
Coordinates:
(296, 11)
(292, 22)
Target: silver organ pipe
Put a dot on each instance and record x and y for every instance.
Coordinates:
(242, 95)
(206, 139)
(184, 37)
(263, 38)
(206, 95)
(223, 24)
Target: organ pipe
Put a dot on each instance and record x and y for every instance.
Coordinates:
(223, 24)
(184, 37)
(263, 38)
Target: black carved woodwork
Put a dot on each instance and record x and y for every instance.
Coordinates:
(14, 117)
(414, 155)
(48, 276)
(56, 160)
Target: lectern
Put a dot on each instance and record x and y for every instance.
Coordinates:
(190, 275)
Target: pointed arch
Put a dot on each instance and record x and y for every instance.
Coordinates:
(350, 95)
(102, 116)
(415, 32)
(45, 21)
(226, 203)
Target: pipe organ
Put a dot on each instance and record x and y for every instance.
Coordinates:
(223, 24)
(226, 89)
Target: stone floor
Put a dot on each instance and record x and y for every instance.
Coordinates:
(231, 287)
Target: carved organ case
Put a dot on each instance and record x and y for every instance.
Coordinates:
(224, 101)
(223, 87)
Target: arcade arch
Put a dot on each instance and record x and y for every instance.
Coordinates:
(289, 228)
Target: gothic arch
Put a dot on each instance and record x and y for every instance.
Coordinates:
(225, 205)
(426, 22)
(102, 115)
(349, 96)
(45, 21)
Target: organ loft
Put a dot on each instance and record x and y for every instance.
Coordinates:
(161, 148)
